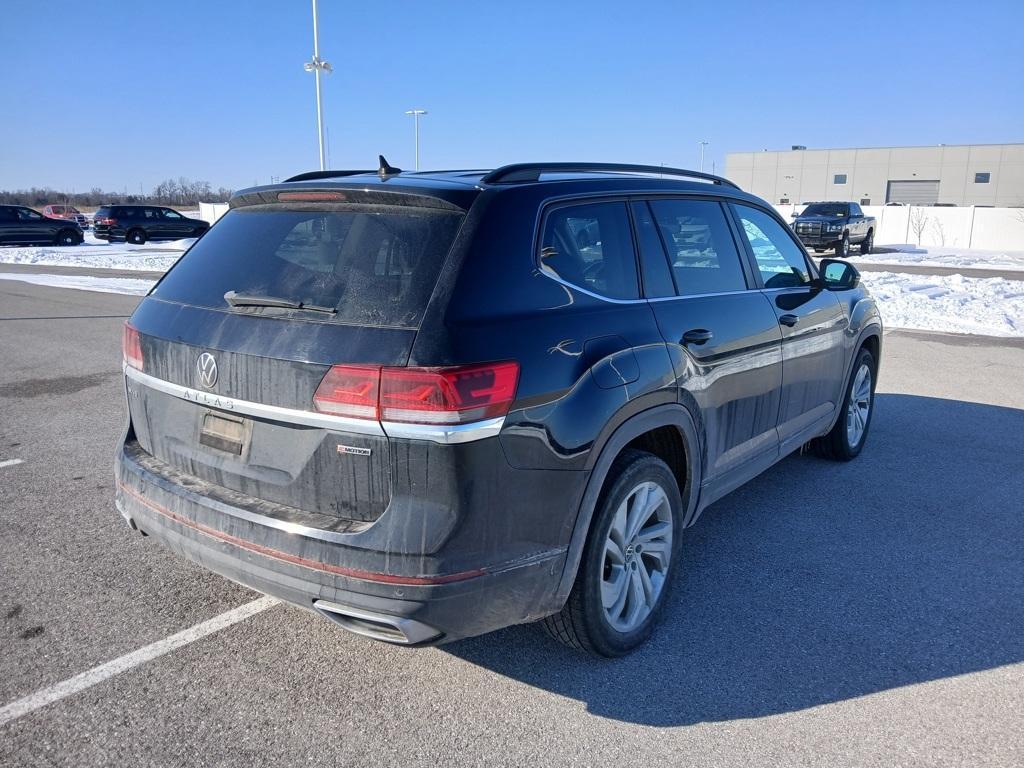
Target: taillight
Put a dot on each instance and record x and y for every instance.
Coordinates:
(447, 395)
(348, 390)
(107, 221)
(419, 395)
(131, 347)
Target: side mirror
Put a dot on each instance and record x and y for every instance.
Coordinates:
(793, 215)
(838, 275)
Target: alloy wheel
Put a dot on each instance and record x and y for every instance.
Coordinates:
(637, 553)
(860, 406)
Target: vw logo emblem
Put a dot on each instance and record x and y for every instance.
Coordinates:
(206, 369)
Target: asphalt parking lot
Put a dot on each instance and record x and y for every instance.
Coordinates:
(862, 614)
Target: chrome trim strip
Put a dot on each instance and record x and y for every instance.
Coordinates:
(445, 434)
(259, 410)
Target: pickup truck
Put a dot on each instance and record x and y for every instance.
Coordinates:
(835, 225)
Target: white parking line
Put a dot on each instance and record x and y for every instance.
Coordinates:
(11, 462)
(96, 675)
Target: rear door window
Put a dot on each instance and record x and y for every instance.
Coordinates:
(591, 246)
(377, 265)
(701, 249)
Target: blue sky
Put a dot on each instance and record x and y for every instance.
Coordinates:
(118, 94)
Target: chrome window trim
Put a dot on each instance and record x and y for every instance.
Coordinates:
(703, 295)
(653, 300)
(445, 434)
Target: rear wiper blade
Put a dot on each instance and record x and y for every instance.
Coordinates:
(251, 300)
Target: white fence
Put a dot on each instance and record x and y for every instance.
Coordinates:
(212, 211)
(990, 229)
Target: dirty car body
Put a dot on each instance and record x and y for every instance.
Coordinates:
(379, 396)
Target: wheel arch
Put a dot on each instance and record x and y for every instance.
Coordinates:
(667, 431)
(870, 337)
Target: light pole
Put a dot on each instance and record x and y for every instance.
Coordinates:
(702, 145)
(416, 121)
(316, 66)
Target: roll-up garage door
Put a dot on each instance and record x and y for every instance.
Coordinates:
(913, 192)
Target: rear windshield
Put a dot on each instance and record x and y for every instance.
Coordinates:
(376, 265)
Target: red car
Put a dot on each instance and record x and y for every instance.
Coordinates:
(68, 212)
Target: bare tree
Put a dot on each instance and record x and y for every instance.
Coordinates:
(918, 222)
(179, 191)
(940, 232)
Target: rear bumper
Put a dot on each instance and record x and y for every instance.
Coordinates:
(396, 597)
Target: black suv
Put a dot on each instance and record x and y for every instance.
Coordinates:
(429, 405)
(24, 226)
(139, 223)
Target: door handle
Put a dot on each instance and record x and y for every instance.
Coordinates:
(789, 320)
(697, 336)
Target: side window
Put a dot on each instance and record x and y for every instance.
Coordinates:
(6, 214)
(700, 247)
(779, 258)
(591, 246)
(169, 214)
(27, 214)
(150, 213)
(855, 210)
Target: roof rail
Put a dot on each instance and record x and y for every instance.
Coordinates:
(313, 175)
(524, 172)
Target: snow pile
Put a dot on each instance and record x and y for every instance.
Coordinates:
(949, 304)
(99, 254)
(937, 256)
(127, 285)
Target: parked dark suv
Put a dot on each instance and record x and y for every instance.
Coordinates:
(25, 226)
(429, 405)
(139, 223)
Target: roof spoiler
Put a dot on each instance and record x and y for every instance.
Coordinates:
(384, 168)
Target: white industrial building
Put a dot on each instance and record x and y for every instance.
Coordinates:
(961, 175)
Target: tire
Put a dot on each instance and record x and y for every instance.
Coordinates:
(868, 243)
(66, 237)
(587, 622)
(846, 439)
(843, 246)
(135, 236)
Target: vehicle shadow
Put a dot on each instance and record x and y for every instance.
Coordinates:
(819, 582)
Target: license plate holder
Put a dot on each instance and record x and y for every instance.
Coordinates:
(224, 433)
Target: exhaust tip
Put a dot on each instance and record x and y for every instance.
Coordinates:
(378, 626)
